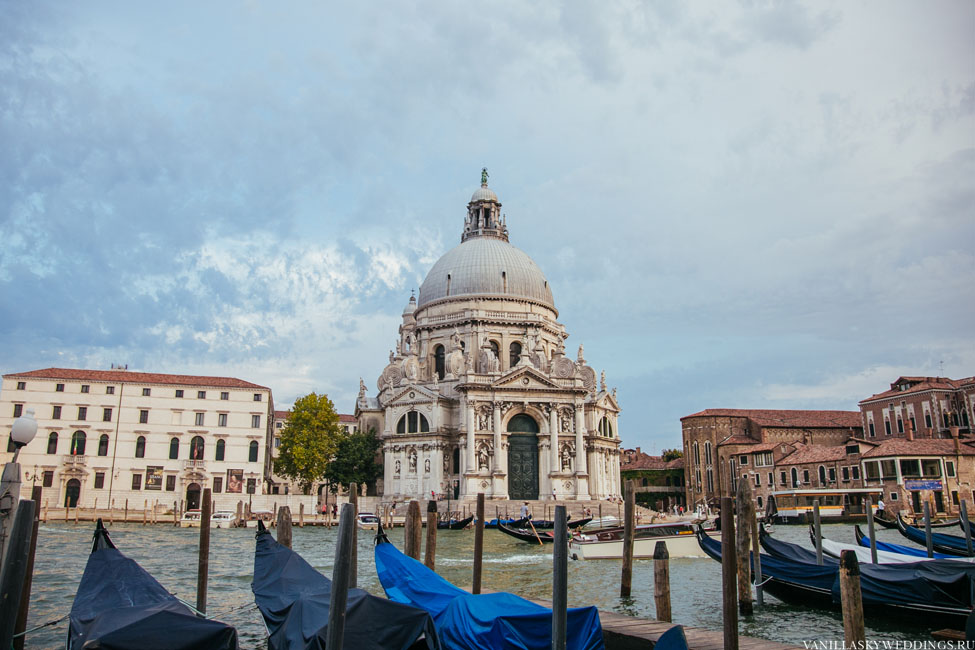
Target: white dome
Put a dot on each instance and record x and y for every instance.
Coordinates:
(489, 267)
(484, 193)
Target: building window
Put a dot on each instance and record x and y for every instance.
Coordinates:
(954, 497)
(931, 468)
(822, 475)
(697, 453)
(743, 460)
(56, 413)
(782, 479)
(887, 426)
(59, 388)
(758, 480)
(144, 416)
(48, 480)
(514, 354)
(137, 481)
(911, 468)
(277, 442)
(927, 420)
(795, 477)
(805, 476)
(771, 481)
(893, 496)
(913, 423)
(439, 361)
(199, 419)
(888, 468)
(84, 388)
(759, 502)
(763, 459)
(179, 392)
(18, 410)
(146, 392)
(252, 454)
(255, 422)
(225, 396)
(846, 473)
(21, 385)
(103, 445)
(412, 422)
(82, 412)
(251, 485)
(950, 468)
(606, 428)
(140, 447)
(201, 394)
(99, 480)
(832, 475)
(196, 448)
(221, 448)
(710, 479)
(873, 434)
(257, 397)
(855, 472)
(707, 453)
(106, 415)
(900, 425)
(52, 443)
(171, 483)
(217, 484)
(221, 419)
(174, 448)
(78, 443)
(110, 390)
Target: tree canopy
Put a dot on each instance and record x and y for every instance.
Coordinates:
(309, 440)
(355, 460)
(671, 454)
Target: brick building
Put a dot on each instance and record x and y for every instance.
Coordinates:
(659, 483)
(932, 405)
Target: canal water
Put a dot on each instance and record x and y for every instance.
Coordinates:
(170, 554)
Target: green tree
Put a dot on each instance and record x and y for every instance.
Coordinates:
(671, 454)
(309, 440)
(355, 460)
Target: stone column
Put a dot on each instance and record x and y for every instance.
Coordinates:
(500, 454)
(436, 472)
(581, 465)
(555, 462)
(471, 452)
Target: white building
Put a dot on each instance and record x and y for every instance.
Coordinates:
(479, 395)
(107, 436)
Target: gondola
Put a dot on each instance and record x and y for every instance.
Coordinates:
(546, 524)
(913, 551)
(119, 605)
(294, 601)
(455, 524)
(479, 621)
(528, 535)
(511, 523)
(930, 590)
(884, 521)
(863, 553)
(940, 542)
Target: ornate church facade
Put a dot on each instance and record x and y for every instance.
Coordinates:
(479, 395)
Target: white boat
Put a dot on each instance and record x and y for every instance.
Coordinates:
(223, 519)
(608, 543)
(367, 521)
(260, 515)
(190, 519)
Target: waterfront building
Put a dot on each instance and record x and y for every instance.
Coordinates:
(933, 406)
(658, 483)
(111, 436)
(479, 394)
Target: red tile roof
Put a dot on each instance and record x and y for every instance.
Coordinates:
(923, 447)
(344, 417)
(132, 377)
(738, 440)
(646, 461)
(814, 454)
(799, 419)
(282, 415)
(923, 384)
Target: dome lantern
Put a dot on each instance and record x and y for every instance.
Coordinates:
(484, 213)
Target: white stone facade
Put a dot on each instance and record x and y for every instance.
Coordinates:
(146, 437)
(479, 395)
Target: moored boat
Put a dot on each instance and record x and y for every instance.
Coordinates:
(367, 521)
(608, 543)
(529, 534)
(190, 519)
(455, 524)
(223, 519)
(912, 551)
(940, 542)
(120, 605)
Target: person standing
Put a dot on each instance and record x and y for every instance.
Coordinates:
(524, 510)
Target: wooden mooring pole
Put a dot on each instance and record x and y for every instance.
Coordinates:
(661, 581)
(354, 567)
(430, 558)
(204, 563)
(626, 579)
(412, 531)
(743, 542)
(757, 561)
(35, 495)
(870, 531)
(927, 529)
(966, 525)
(301, 515)
(852, 600)
(284, 526)
(478, 544)
(729, 575)
(560, 568)
(817, 526)
(17, 551)
(341, 579)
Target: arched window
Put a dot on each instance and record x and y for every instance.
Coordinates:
(140, 447)
(412, 422)
(496, 349)
(221, 447)
(795, 477)
(822, 475)
(174, 448)
(606, 428)
(697, 454)
(439, 361)
(78, 439)
(707, 453)
(759, 502)
(252, 455)
(196, 448)
(103, 445)
(52, 443)
(514, 354)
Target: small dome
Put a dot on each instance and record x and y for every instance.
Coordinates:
(410, 306)
(484, 193)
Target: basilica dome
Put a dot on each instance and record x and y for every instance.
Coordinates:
(486, 267)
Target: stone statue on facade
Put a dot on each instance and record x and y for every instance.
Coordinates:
(487, 360)
(426, 466)
(413, 461)
(397, 467)
(602, 381)
(566, 459)
(482, 458)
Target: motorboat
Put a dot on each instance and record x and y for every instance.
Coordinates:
(120, 605)
(190, 519)
(367, 521)
(608, 542)
(265, 516)
(223, 519)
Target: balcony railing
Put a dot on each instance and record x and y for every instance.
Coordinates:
(73, 461)
(194, 464)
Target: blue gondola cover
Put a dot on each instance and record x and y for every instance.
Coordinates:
(294, 600)
(483, 621)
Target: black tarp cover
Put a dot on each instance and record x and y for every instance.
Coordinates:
(294, 600)
(119, 606)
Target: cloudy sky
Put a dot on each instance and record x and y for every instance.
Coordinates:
(738, 205)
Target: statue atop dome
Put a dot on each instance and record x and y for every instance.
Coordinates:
(484, 176)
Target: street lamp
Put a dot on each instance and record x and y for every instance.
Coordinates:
(21, 433)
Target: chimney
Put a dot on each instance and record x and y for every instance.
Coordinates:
(954, 432)
(957, 445)
(638, 452)
(908, 429)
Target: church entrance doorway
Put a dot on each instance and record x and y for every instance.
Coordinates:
(522, 458)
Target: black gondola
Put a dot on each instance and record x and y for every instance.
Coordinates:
(119, 605)
(294, 601)
(546, 524)
(529, 535)
(940, 542)
(455, 524)
(510, 523)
